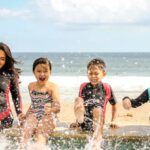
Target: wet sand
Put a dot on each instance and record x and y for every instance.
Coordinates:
(134, 116)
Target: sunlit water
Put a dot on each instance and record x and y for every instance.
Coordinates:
(9, 143)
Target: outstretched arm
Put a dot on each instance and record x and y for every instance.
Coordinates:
(141, 99)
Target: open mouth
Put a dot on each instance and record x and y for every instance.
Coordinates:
(94, 80)
(42, 78)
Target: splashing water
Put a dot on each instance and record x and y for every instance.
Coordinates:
(95, 142)
(11, 143)
(3, 142)
(93, 146)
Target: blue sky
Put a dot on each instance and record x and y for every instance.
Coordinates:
(75, 25)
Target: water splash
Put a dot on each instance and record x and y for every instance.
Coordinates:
(9, 143)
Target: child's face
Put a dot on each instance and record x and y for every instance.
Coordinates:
(2, 59)
(42, 73)
(95, 74)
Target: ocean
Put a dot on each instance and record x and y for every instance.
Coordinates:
(127, 73)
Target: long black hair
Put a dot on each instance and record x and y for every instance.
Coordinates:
(10, 61)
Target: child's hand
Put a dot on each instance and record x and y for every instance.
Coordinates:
(113, 125)
(21, 118)
(47, 108)
(126, 103)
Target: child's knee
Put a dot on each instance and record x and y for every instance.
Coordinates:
(97, 112)
(78, 102)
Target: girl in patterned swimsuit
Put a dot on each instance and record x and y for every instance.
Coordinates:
(39, 119)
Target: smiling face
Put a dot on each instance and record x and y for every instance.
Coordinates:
(95, 74)
(42, 73)
(2, 59)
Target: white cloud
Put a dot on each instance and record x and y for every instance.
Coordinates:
(13, 13)
(96, 11)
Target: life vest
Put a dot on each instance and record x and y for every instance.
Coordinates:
(106, 97)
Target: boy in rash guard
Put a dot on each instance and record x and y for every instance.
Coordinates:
(9, 76)
(141, 99)
(90, 106)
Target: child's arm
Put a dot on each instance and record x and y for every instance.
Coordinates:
(56, 100)
(22, 117)
(114, 115)
(55, 107)
(114, 112)
(15, 92)
(141, 99)
(113, 103)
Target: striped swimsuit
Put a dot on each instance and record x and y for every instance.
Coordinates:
(39, 99)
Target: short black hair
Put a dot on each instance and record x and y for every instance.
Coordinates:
(98, 62)
(41, 60)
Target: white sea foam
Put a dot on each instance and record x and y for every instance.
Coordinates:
(69, 85)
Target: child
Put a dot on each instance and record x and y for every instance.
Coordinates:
(141, 99)
(90, 106)
(9, 82)
(44, 104)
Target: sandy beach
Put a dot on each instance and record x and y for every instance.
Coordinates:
(134, 116)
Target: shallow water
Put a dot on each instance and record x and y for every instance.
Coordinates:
(9, 143)
(125, 144)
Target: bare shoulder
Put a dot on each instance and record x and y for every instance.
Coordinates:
(31, 85)
(52, 86)
(54, 91)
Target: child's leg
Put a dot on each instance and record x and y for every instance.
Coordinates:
(98, 128)
(28, 128)
(98, 122)
(41, 141)
(79, 109)
(45, 128)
